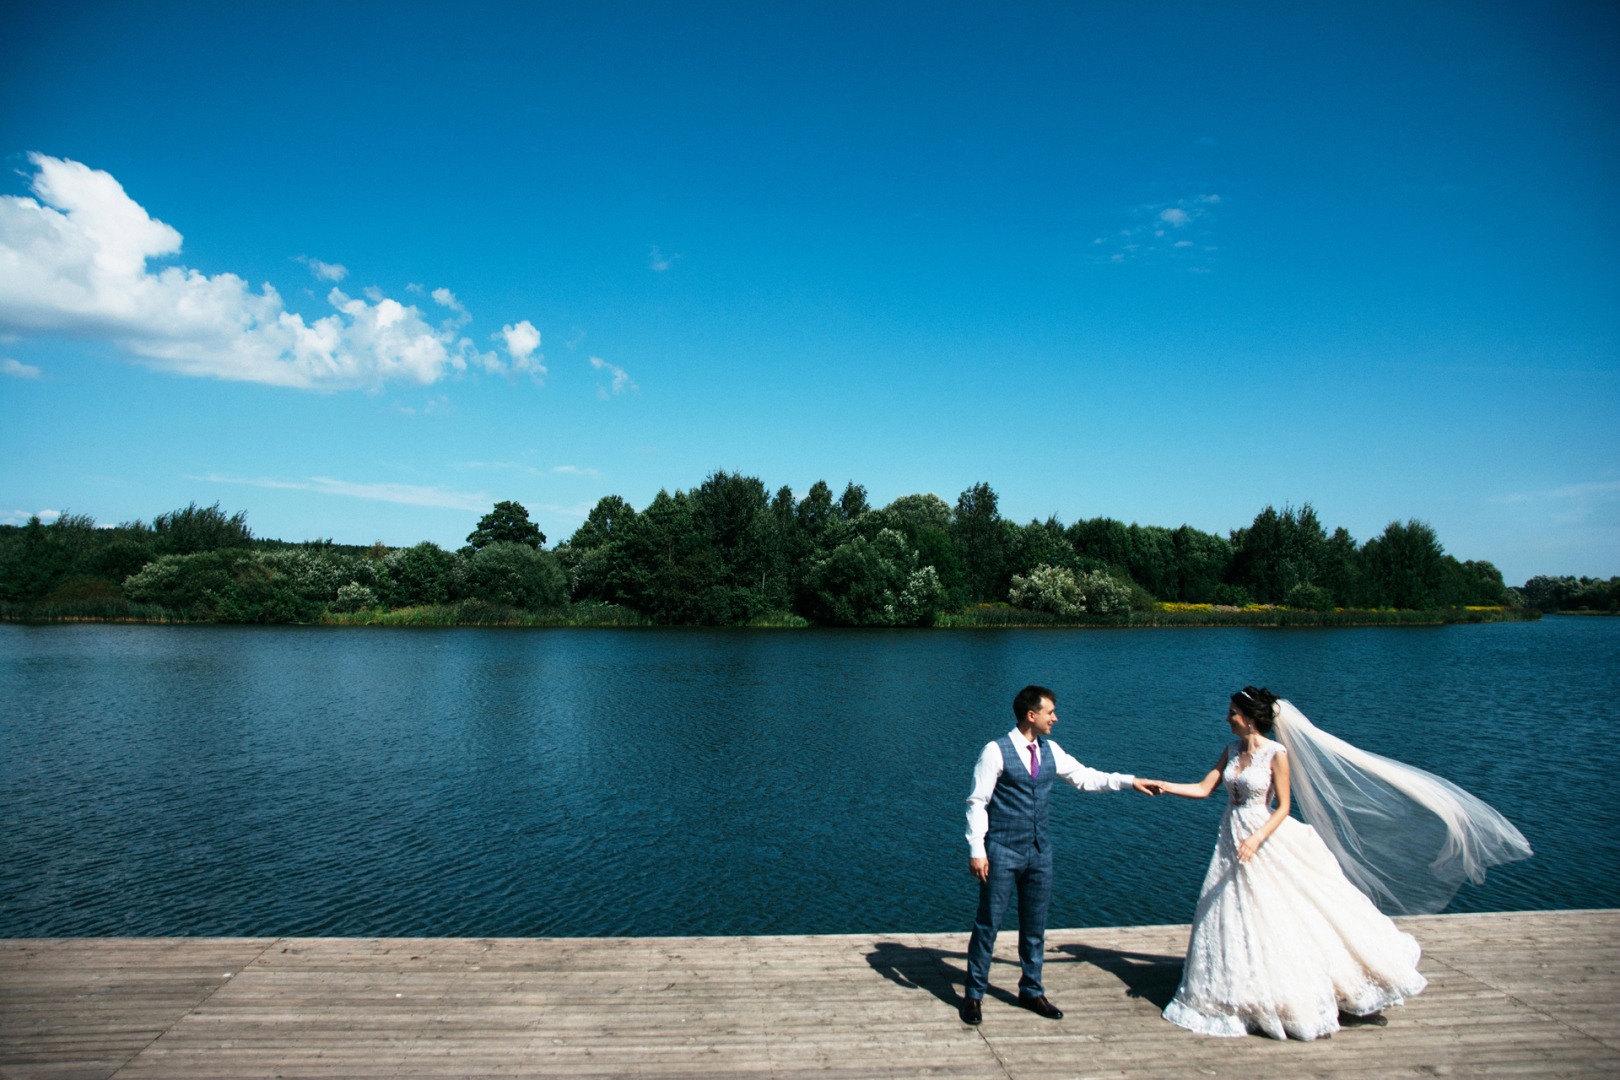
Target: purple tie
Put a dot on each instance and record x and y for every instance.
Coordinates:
(1034, 762)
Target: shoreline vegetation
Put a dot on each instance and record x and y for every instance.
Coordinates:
(976, 617)
(727, 553)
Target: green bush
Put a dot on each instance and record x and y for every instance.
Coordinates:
(1047, 588)
(517, 575)
(874, 583)
(354, 597)
(419, 575)
(1101, 593)
(1308, 597)
(121, 558)
(184, 582)
(314, 575)
(226, 586)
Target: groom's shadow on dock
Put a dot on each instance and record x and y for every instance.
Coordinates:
(943, 972)
(920, 969)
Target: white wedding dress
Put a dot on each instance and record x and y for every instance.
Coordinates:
(1283, 943)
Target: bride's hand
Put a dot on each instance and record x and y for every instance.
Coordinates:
(1248, 848)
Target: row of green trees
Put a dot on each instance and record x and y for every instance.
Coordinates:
(726, 551)
(730, 552)
(1572, 594)
(206, 564)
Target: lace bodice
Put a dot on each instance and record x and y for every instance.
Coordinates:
(1249, 785)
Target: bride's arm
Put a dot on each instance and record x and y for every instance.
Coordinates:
(1201, 789)
(1279, 780)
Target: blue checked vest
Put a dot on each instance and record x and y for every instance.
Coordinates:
(1018, 808)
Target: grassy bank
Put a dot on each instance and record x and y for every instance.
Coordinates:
(1001, 615)
(981, 616)
(479, 613)
(99, 610)
(466, 613)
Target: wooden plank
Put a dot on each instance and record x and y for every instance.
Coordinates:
(1512, 995)
(81, 1008)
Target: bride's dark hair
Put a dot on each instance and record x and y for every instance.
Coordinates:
(1259, 705)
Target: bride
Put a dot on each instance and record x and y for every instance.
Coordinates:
(1287, 934)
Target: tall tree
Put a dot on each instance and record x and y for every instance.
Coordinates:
(507, 523)
(608, 520)
(1404, 566)
(852, 504)
(199, 528)
(980, 538)
(1340, 572)
(1277, 552)
(1102, 539)
(724, 507)
(1201, 562)
(674, 567)
(819, 519)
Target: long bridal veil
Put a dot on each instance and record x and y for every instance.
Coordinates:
(1405, 837)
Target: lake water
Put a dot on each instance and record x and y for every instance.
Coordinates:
(269, 781)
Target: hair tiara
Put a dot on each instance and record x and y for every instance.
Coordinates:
(1275, 708)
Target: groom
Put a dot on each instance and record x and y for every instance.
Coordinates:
(1009, 847)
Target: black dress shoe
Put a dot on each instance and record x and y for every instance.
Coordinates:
(971, 1011)
(1041, 1007)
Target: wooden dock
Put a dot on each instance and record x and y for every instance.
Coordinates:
(1526, 994)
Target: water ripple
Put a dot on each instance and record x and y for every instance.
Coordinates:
(256, 781)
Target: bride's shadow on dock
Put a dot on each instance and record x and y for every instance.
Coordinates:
(1149, 976)
(943, 972)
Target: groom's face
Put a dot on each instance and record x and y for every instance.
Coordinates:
(1042, 719)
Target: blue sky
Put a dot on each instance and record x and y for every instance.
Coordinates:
(1166, 263)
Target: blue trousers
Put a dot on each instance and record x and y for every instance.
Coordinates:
(1030, 874)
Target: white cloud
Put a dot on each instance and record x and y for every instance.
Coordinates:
(73, 261)
(438, 403)
(621, 378)
(324, 270)
(658, 261)
(406, 494)
(530, 469)
(18, 370)
(580, 510)
(1570, 511)
(1568, 491)
(569, 470)
(20, 517)
(446, 298)
(521, 342)
(1162, 230)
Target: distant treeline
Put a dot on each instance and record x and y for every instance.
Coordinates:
(1572, 594)
(728, 552)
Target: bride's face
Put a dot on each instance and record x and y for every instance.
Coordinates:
(1240, 724)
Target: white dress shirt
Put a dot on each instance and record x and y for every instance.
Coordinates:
(989, 769)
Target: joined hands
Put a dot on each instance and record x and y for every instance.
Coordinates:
(980, 868)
